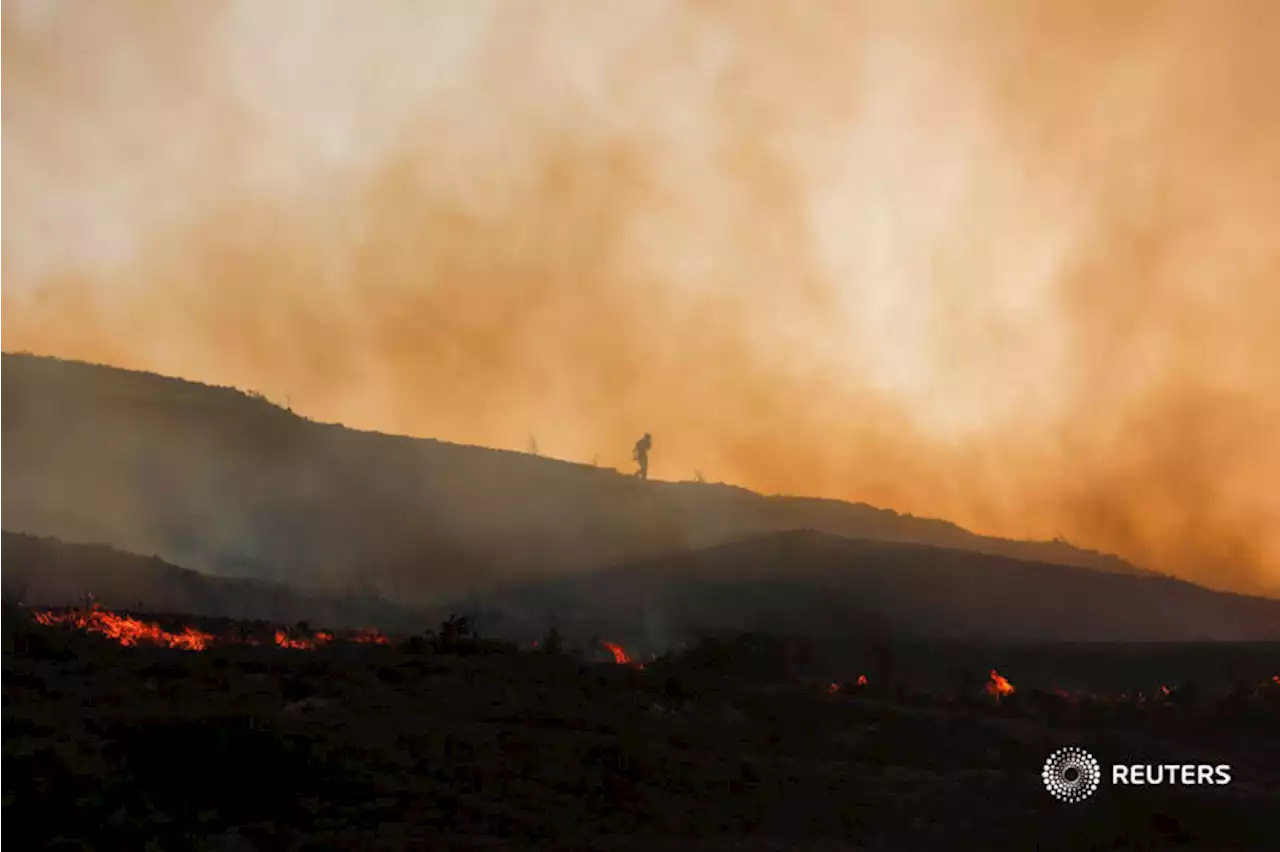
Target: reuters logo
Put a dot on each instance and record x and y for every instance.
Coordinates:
(1071, 774)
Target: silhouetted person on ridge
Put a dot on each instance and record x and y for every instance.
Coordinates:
(641, 455)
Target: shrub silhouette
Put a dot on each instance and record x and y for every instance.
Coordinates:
(553, 642)
(457, 635)
(455, 628)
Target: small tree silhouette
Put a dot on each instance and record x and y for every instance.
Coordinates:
(454, 631)
(553, 643)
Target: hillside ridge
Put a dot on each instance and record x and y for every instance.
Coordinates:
(227, 482)
(815, 584)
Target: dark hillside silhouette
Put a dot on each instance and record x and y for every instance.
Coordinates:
(825, 587)
(226, 482)
(799, 583)
(50, 573)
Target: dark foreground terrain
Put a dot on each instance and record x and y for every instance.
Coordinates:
(444, 741)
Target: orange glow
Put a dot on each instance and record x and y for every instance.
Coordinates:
(1062, 693)
(862, 680)
(833, 688)
(127, 630)
(285, 641)
(998, 686)
(368, 636)
(770, 346)
(130, 631)
(620, 655)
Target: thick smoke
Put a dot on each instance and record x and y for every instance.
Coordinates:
(1012, 264)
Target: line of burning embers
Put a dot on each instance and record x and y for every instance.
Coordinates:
(130, 631)
(998, 687)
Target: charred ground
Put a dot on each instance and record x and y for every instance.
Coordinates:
(733, 743)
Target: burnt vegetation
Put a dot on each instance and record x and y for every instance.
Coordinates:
(447, 739)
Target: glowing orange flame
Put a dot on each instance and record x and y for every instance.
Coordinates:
(620, 655)
(862, 680)
(833, 688)
(368, 636)
(322, 637)
(284, 640)
(998, 686)
(1276, 679)
(127, 630)
(130, 631)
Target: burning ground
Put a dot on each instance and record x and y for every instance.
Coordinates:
(447, 740)
(130, 631)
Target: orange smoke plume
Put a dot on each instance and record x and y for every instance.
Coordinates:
(757, 246)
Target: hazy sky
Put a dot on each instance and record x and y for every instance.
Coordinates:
(1015, 264)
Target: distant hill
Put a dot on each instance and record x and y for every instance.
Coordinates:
(48, 572)
(825, 587)
(228, 483)
(804, 584)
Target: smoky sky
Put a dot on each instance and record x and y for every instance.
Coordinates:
(1013, 264)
